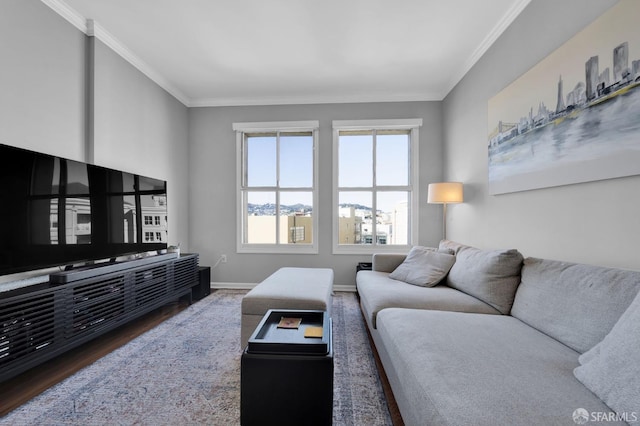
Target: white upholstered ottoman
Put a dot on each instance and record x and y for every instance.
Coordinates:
(287, 288)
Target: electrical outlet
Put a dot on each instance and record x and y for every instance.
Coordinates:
(223, 258)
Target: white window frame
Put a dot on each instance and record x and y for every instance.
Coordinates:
(413, 126)
(281, 126)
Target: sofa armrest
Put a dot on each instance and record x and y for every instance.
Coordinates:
(387, 262)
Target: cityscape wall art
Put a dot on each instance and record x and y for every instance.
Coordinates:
(575, 116)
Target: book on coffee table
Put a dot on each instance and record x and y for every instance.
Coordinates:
(288, 322)
(313, 332)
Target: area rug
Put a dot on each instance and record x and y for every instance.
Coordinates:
(186, 371)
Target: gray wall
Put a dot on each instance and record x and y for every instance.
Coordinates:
(139, 127)
(42, 84)
(213, 178)
(597, 222)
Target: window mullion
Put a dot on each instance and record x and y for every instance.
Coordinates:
(245, 164)
(245, 215)
(277, 189)
(374, 192)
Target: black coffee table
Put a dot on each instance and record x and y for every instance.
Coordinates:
(287, 378)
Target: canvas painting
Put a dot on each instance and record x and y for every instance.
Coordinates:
(575, 116)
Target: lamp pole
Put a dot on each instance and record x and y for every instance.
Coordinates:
(444, 221)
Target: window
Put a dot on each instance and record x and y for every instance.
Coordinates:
(375, 177)
(277, 187)
(148, 220)
(297, 234)
(59, 191)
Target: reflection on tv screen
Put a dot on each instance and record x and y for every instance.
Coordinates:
(58, 211)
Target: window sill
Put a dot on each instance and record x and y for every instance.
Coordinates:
(358, 249)
(270, 249)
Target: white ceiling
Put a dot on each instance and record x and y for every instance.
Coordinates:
(262, 52)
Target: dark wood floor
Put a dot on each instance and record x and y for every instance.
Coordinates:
(22, 388)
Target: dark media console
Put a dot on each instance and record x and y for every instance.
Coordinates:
(39, 323)
(89, 271)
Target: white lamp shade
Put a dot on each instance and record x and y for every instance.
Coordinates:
(445, 193)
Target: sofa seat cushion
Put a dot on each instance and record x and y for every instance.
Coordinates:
(378, 291)
(451, 368)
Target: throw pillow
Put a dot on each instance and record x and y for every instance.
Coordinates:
(612, 368)
(590, 354)
(424, 267)
(489, 275)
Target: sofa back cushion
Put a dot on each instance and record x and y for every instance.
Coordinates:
(489, 275)
(573, 303)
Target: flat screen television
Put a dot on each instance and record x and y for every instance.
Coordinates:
(59, 212)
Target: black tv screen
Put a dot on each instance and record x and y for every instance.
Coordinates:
(57, 212)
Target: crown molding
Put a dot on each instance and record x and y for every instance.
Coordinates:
(507, 19)
(324, 99)
(68, 13)
(93, 29)
(114, 44)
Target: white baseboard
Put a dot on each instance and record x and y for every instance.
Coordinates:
(249, 286)
(232, 286)
(344, 287)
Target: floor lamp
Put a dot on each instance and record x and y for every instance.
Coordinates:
(445, 193)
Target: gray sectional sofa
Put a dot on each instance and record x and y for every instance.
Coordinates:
(495, 339)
